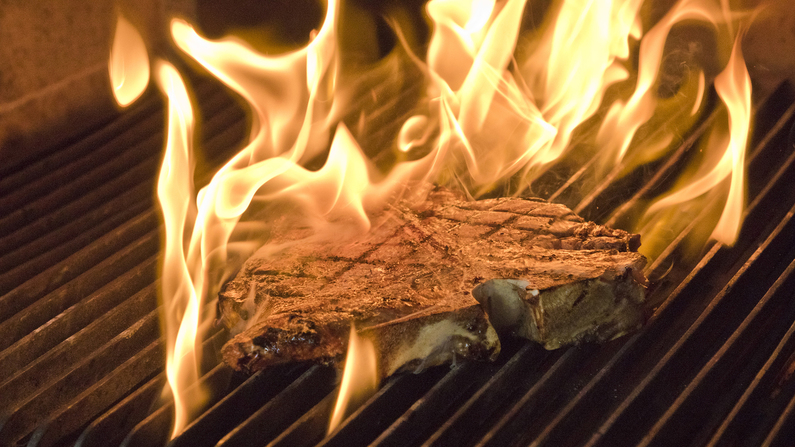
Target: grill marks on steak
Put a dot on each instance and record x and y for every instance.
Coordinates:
(408, 283)
(309, 293)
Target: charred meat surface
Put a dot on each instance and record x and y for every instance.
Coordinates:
(538, 271)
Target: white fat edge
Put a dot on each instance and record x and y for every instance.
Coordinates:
(429, 339)
(504, 301)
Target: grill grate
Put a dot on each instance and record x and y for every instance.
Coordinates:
(81, 358)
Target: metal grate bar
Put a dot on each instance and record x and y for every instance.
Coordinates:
(66, 422)
(121, 257)
(155, 429)
(381, 410)
(267, 421)
(56, 277)
(26, 415)
(734, 365)
(784, 431)
(112, 426)
(24, 262)
(530, 407)
(235, 407)
(122, 129)
(757, 397)
(33, 346)
(476, 414)
(309, 429)
(56, 361)
(422, 418)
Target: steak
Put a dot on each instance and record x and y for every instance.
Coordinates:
(422, 281)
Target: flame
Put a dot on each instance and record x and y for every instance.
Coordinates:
(499, 116)
(359, 378)
(586, 46)
(221, 203)
(467, 61)
(501, 104)
(129, 63)
(624, 118)
(174, 190)
(733, 86)
(291, 97)
(279, 138)
(288, 93)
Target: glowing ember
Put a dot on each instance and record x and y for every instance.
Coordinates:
(129, 64)
(501, 104)
(359, 378)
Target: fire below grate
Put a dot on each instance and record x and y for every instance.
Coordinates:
(81, 358)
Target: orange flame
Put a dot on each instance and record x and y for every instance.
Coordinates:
(291, 97)
(359, 378)
(734, 88)
(500, 120)
(129, 63)
(586, 46)
(221, 203)
(483, 116)
(499, 103)
(624, 119)
(288, 93)
(174, 190)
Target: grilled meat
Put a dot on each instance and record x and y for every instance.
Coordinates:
(420, 284)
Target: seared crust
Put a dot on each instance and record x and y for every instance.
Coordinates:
(408, 283)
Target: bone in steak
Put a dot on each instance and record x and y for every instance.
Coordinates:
(537, 269)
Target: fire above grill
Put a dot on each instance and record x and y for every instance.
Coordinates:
(82, 355)
(81, 359)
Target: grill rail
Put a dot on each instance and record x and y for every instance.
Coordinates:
(81, 356)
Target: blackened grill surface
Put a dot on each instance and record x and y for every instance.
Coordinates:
(81, 360)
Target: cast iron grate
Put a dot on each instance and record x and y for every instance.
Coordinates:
(81, 354)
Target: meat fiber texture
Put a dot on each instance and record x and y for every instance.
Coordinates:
(435, 283)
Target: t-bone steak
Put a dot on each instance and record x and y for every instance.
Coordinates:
(436, 282)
